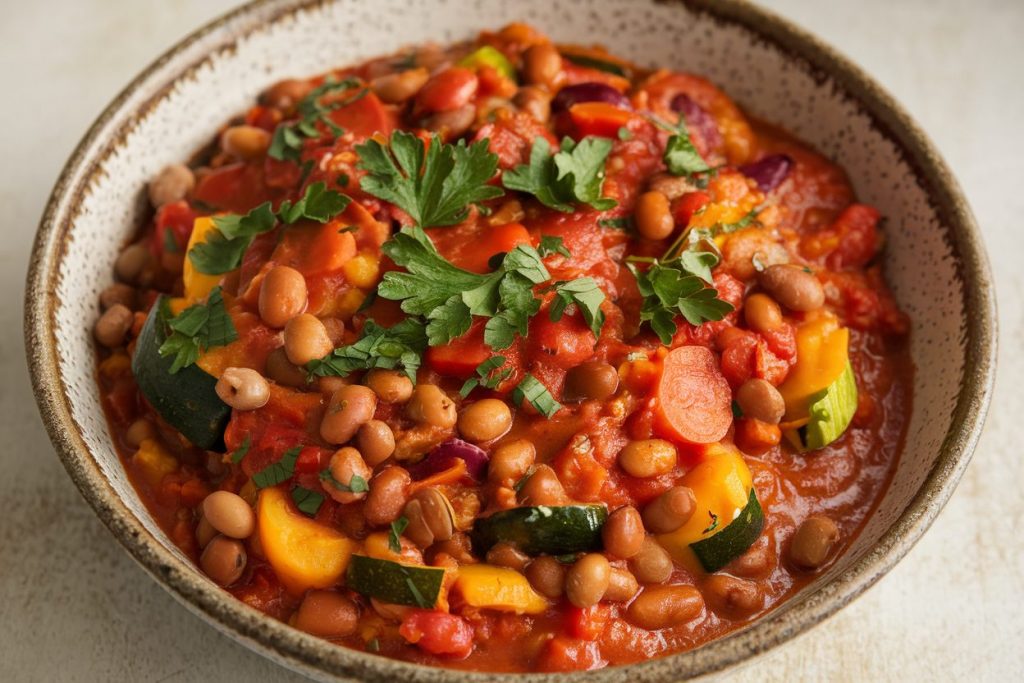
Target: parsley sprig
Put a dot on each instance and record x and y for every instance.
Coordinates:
(223, 249)
(435, 185)
(289, 138)
(279, 471)
(681, 156)
(399, 346)
(487, 375)
(536, 394)
(574, 174)
(197, 329)
(307, 500)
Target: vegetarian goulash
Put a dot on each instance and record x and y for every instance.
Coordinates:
(506, 356)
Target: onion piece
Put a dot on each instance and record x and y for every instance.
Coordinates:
(698, 121)
(445, 455)
(768, 172)
(589, 92)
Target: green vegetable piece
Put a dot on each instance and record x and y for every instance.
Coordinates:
(542, 529)
(186, 400)
(574, 174)
(722, 548)
(831, 411)
(596, 63)
(492, 57)
(398, 584)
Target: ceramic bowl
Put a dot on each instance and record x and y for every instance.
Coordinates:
(934, 261)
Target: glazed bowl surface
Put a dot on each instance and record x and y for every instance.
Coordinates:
(934, 262)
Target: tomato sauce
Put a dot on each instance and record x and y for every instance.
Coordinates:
(680, 389)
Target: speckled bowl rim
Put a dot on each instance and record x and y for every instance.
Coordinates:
(323, 660)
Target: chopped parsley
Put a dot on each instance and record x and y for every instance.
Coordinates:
(395, 535)
(487, 375)
(670, 289)
(242, 450)
(681, 156)
(307, 501)
(196, 329)
(316, 204)
(536, 394)
(574, 174)
(388, 348)
(624, 223)
(435, 185)
(714, 523)
(289, 138)
(584, 293)
(551, 245)
(355, 485)
(277, 472)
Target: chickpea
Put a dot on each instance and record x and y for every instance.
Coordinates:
(243, 388)
(813, 542)
(485, 420)
(204, 532)
(229, 514)
(327, 614)
(223, 560)
(652, 564)
(543, 488)
(623, 533)
(399, 87)
(653, 216)
(587, 580)
(622, 586)
(282, 296)
(348, 469)
(391, 386)
(430, 405)
(245, 142)
(511, 461)
(172, 184)
(287, 93)
(452, 123)
(376, 442)
(547, 576)
(139, 431)
(132, 261)
(282, 371)
(306, 339)
(430, 517)
(446, 90)
(758, 399)
(533, 101)
(762, 313)
(350, 408)
(660, 607)
(542, 65)
(792, 286)
(387, 496)
(113, 326)
(507, 555)
(647, 458)
(670, 510)
(117, 293)
(596, 380)
(731, 596)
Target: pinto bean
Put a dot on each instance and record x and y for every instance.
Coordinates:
(507, 555)
(172, 184)
(792, 286)
(660, 607)
(349, 409)
(543, 488)
(534, 101)
(652, 564)
(430, 405)
(243, 388)
(376, 442)
(346, 465)
(622, 586)
(587, 580)
(762, 313)
(731, 596)
(511, 461)
(547, 576)
(229, 514)
(669, 511)
(758, 399)
(647, 457)
(813, 542)
(306, 339)
(223, 560)
(451, 123)
(542, 65)
(399, 87)
(282, 296)
(287, 93)
(113, 326)
(131, 262)
(327, 614)
(245, 142)
(430, 517)
(623, 533)
(283, 371)
(391, 386)
(387, 496)
(118, 293)
(485, 420)
(653, 216)
(593, 380)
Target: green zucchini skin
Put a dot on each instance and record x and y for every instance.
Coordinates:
(393, 582)
(831, 411)
(719, 550)
(595, 63)
(186, 400)
(542, 529)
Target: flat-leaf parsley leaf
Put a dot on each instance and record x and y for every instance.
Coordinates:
(573, 174)
(196, 329)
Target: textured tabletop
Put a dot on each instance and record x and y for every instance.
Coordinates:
(73, 606)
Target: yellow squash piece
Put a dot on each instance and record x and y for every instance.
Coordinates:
(497, 588)
(821, 357)
(198, 285)
(721, 484)
(155, 461)
(303, 553)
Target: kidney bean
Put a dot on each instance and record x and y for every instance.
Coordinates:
(660, 607)
(793, 287)
(731, 596)
(447, 90)
(547, 576)
(652, 564)
(623, 533)
(587, 580)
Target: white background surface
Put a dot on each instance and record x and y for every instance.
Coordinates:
(73, 606)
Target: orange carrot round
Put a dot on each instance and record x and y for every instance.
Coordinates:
(693, 401)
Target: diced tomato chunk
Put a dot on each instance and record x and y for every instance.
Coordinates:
(460, 357)
(173, 227)
(690, 203)
(438, 633)
(587, 623)
(563, 344)
(570, 654)
(598, 118)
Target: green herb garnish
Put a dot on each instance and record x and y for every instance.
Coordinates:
(242, 450)
(574, 174)
(487, 375)
(552, 244)
(536, 394)
(277, 472)
(714, 523)
(435, 185)
(289, 138)
(196, 329)
(388, 348)
(355, 485)
(307, 501)
(395, 535)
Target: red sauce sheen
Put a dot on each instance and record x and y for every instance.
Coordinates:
(637, 416)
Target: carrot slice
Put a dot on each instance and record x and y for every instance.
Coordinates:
(453, 474)
(693, 399)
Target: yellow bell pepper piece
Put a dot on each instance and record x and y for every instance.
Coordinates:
(721, 485)
(822, 352)
(497, 588)
(155, 461)
(198, 285)
(303, 553)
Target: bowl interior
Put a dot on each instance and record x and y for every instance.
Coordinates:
(183, 100)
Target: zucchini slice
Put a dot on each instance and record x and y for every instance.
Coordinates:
(395, 583)
(186, 400)
(591, 62)
(719, 550)
(831, 412)
(542, 529)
